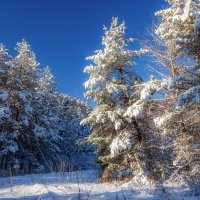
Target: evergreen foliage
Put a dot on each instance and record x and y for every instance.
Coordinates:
(39, 127)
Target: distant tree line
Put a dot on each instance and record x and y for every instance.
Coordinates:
(39, 127)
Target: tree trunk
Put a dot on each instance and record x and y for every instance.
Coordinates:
(197, 62)
(139, 134)
(126, 100)
(173, 71)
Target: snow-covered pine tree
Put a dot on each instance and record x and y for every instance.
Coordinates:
(4, 74)
(22, 86)
(179, 126)
(164, 62)
(47, 117)
(8, 145)
(180, 121)
(112, 85)
(181, 26)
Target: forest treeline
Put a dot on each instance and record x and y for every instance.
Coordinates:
(40, 128)
(145, 129)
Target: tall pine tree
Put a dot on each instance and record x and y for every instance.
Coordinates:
(112, 84)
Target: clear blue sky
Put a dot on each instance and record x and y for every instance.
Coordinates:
(63, 32)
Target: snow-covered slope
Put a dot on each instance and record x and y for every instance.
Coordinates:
(82, 185)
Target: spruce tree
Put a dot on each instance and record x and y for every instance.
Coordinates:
(112, 84)
(23, 87)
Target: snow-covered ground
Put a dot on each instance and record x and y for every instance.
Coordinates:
(82, 185)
